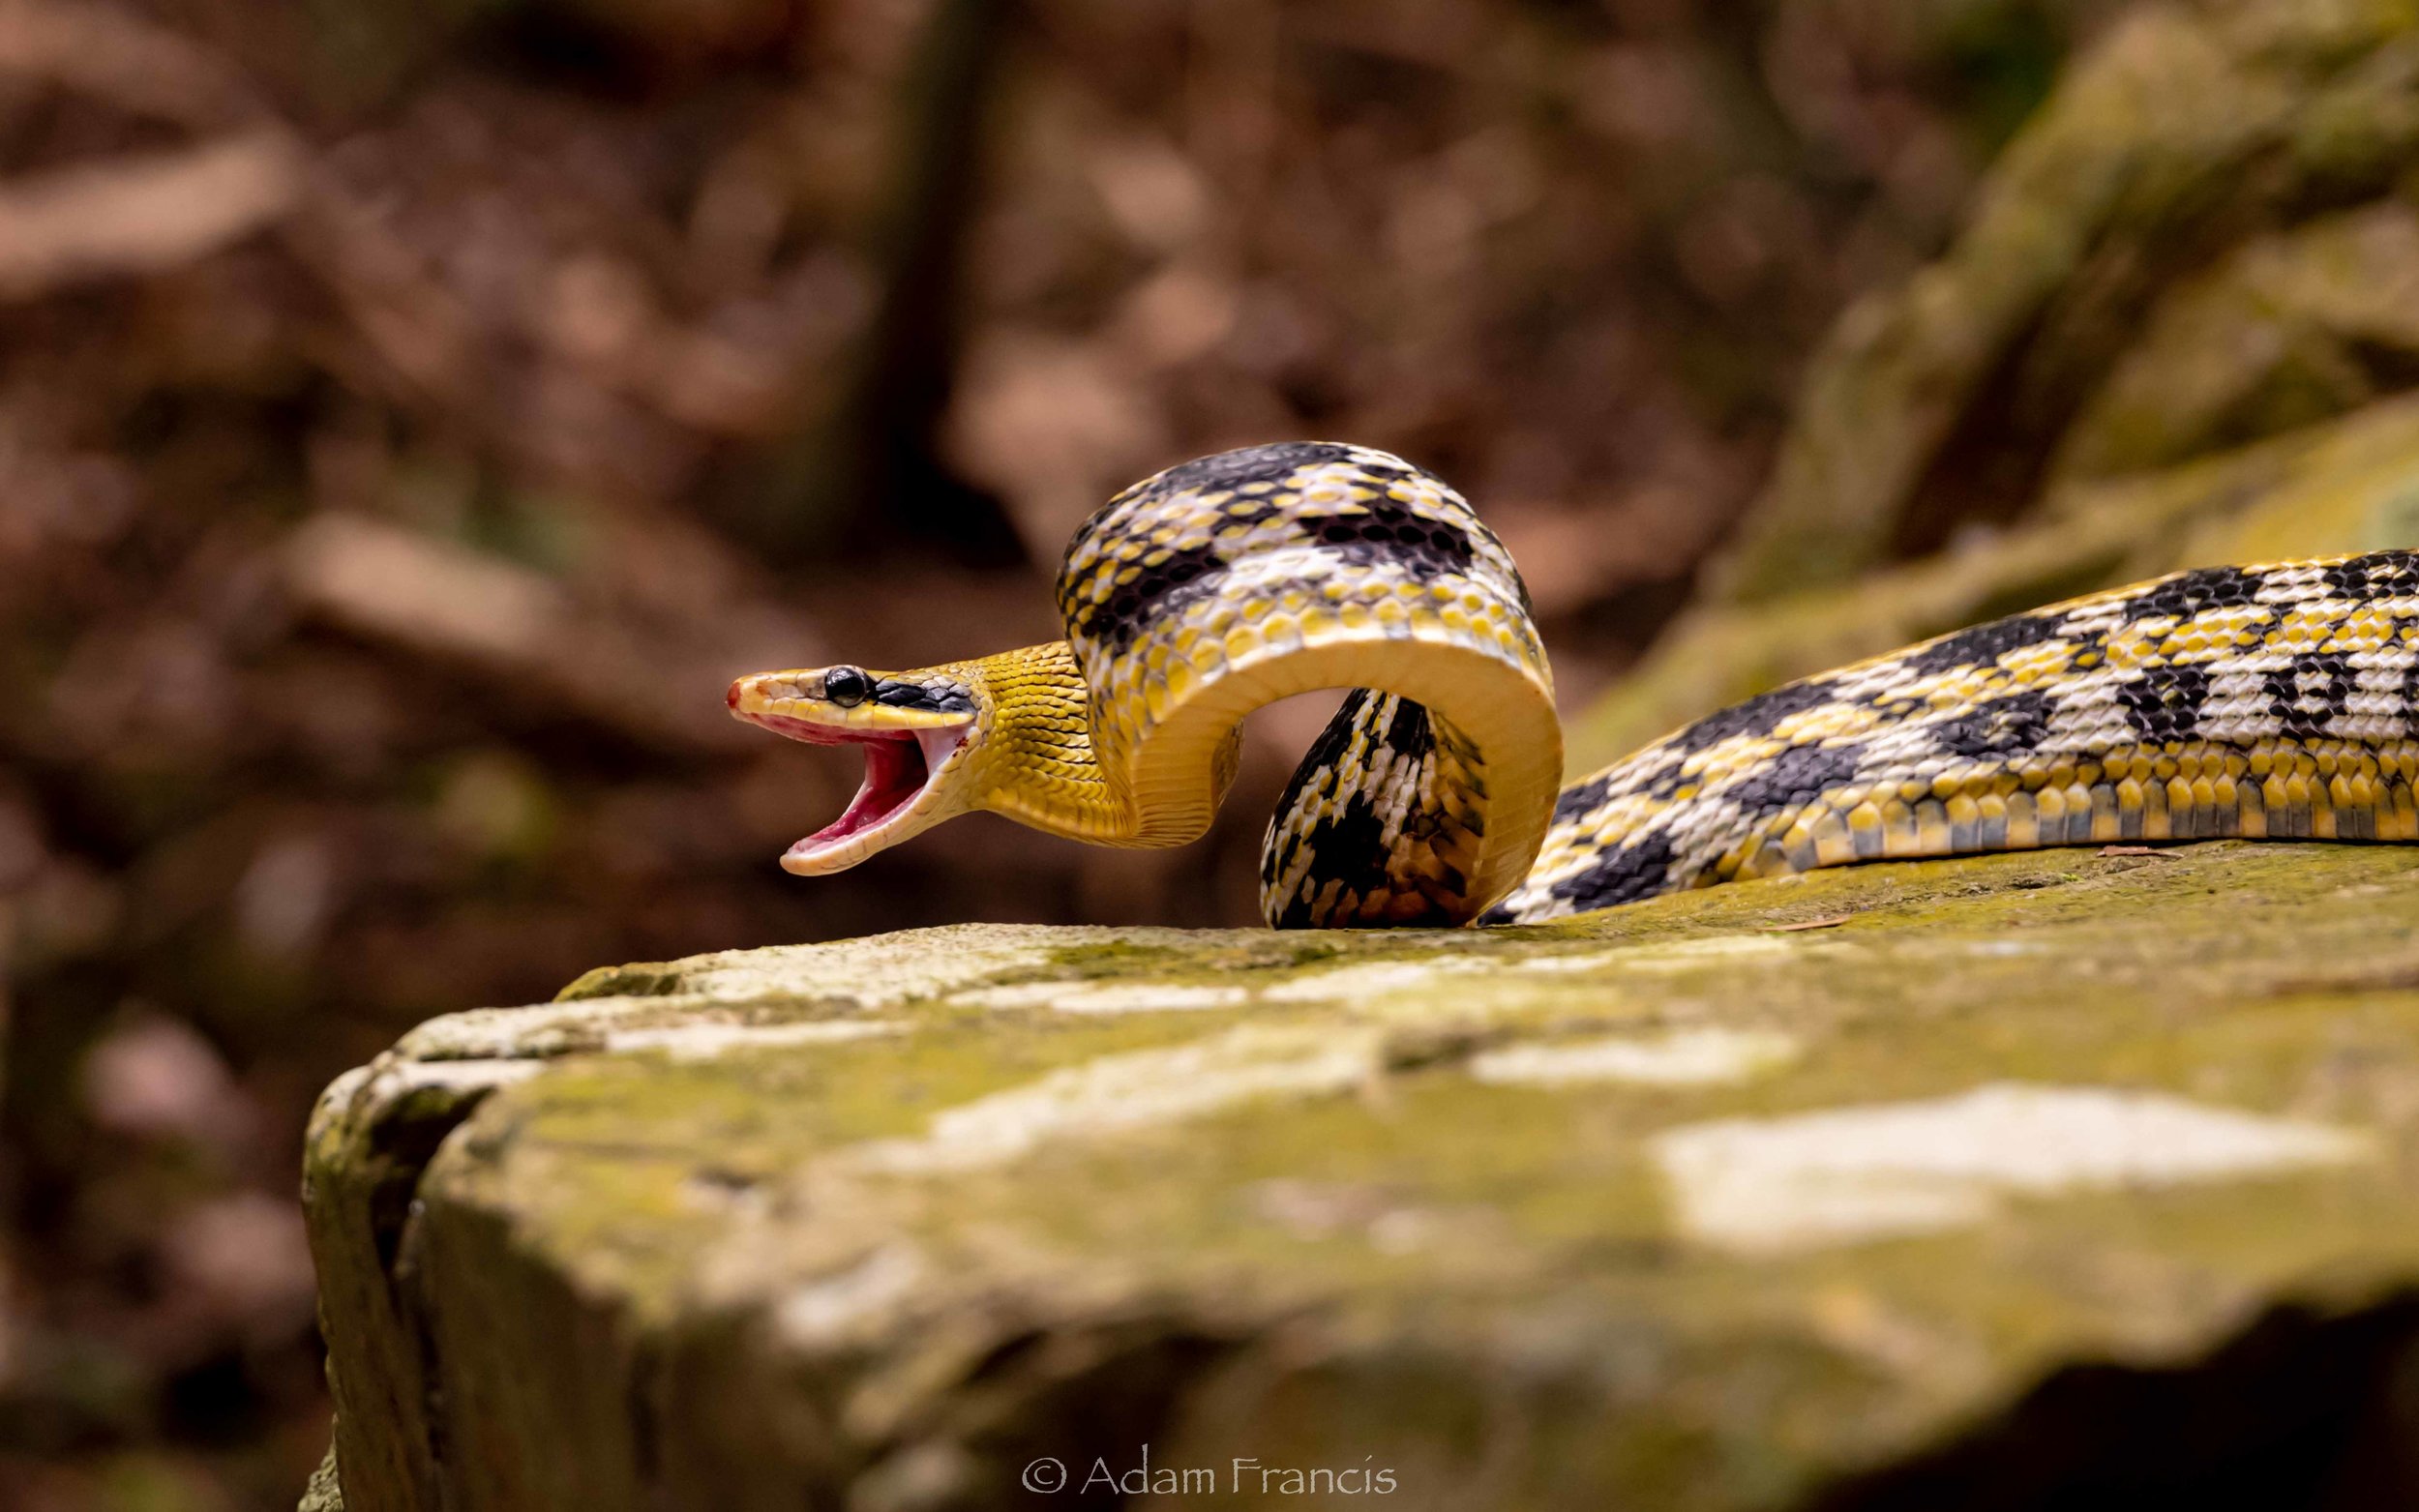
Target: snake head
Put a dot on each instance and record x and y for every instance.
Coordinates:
(914, 728)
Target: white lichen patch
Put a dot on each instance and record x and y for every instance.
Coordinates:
(364, 1095)
(1105, 997)
(881, 971)
(1955, 948)
(1392, 978)
(690, 1027)
(1372, 979)
(1855, 1174)
(704, 1040)
(540, 1031)
(392, 1079)
(1315, 1210)
(833, 1310)
(837, 978)
(1688, 1058)
(1555, 965)
(1363, 980)
(1128, 1091)
(453, 1075)
(1712, 950)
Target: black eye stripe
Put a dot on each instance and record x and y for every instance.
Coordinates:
(933, 697)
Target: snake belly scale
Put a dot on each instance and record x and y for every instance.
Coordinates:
(2271, 702)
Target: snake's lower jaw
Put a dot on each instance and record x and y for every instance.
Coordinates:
(897, 798)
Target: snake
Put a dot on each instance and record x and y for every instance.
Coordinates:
(2271, 701)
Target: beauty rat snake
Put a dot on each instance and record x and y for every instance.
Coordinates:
(2260, 702)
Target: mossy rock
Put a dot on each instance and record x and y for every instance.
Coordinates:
(2220, 136)
(2336, 487)
(2178, 328)
(1999, 1182)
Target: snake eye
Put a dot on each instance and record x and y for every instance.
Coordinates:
(846, 685)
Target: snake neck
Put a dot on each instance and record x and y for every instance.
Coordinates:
(1039, 765)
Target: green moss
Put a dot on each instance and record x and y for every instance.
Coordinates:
(1079, 963)
(645, 979)
(1384, 1254)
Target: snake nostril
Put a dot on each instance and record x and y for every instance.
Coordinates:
(733, 697)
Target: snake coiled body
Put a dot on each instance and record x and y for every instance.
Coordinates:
(2270, 702)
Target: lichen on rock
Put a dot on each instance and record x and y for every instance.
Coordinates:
(1727, 1200)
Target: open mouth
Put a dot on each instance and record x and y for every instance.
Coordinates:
(899, 764)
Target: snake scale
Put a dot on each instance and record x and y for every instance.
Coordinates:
(2271, 702)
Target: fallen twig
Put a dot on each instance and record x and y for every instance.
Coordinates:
(135, 214)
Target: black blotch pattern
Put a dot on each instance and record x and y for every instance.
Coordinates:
(1227, 470)
(1795, 776)
(1349, 853)
(1983, 644)
(1349, 848)
(2013, 723)
(1189, 573)
(2310, 692)
(1625, 873)
(2164, 703)
(1224, 471)
(1757, 716)
(1385, 529)
(2186, 594)
(1323, 755)
(1640, 866)
(2370, 576)
(1581, 797)
(1408, 733)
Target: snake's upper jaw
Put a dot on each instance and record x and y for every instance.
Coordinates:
(897, 797)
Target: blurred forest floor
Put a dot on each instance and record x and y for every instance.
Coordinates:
(411, 416)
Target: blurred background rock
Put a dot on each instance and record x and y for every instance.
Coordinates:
(412, 415)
